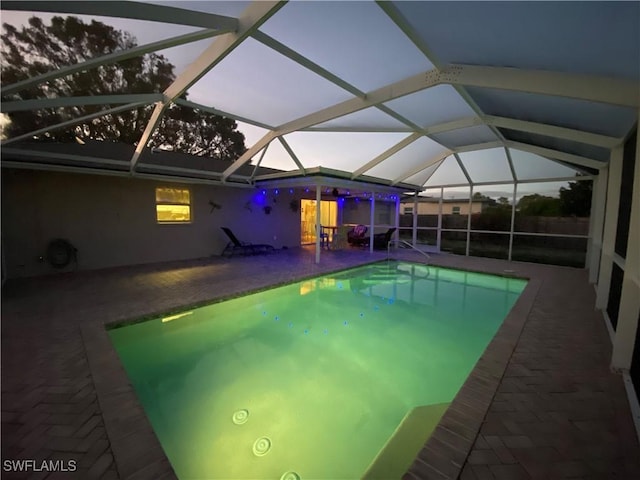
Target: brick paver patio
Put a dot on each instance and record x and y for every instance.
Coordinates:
(556, 411)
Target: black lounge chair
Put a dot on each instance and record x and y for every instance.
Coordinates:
(381, 240)
(236, 247)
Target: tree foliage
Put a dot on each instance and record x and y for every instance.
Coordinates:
(576, 200)
(539, 205)
(39, 48)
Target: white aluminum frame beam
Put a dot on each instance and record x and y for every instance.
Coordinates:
(61, 102)
(111, 58)
(292, 154)
(74, 121)
(381, 95)
(478, 146)
(386, 154)
(582, 87)
(401, 22)
(598, 89)
(432, 161)
(132, 10)
(186, 103)
(554, 131)
(251, 19)
(115, 173)
(558, 155)
(607, 252)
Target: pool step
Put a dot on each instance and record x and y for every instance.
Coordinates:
(396, 456)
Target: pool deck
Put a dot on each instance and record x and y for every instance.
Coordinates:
(541, 402)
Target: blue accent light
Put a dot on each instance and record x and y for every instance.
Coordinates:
(277, 191)
(291, 190)
(264, 192)
(306, 190)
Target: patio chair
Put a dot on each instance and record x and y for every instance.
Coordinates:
(324, 236)
(339, 240)
(235, 246)
(356, 236)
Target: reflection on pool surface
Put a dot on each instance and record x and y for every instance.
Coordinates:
(312, 380)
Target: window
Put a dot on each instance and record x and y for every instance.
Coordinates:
(173, 205)
(408, 210)
(455, 210)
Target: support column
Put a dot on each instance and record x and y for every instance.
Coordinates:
(396, 234)
(469, 220)
(414, 233)
(318, 230)
(372, 219)
(610, 227)
(598, 202)
(439, 234)
(513, 219)
(624, 341)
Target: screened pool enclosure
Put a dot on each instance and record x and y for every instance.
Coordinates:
(431, 99)
(492, 129)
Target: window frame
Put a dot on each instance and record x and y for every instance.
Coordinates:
(455, 210)
(174, 203)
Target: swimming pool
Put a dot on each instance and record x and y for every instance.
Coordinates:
(324, 378)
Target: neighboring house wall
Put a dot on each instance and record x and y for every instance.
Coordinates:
(112, 221)
(432, 208)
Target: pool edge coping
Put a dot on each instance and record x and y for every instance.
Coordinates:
(138, 453)
(445, 453)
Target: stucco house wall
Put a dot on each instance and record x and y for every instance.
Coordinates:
(112, 220)
(432, 208)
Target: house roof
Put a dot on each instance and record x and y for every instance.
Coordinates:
(416, 94)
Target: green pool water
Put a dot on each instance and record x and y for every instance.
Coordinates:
(327, 378)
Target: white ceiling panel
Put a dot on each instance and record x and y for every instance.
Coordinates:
(408, 159)
(229, 8)
(529, 166)
(354, 40)
(369, 118)
(465, 136)
(601, 38)
(276, 157)
(576, 148)
(432, 106)
(259, 83)
(449, 173)
(423, 176)
(560, 111)
(341, 151)
(486, 165)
